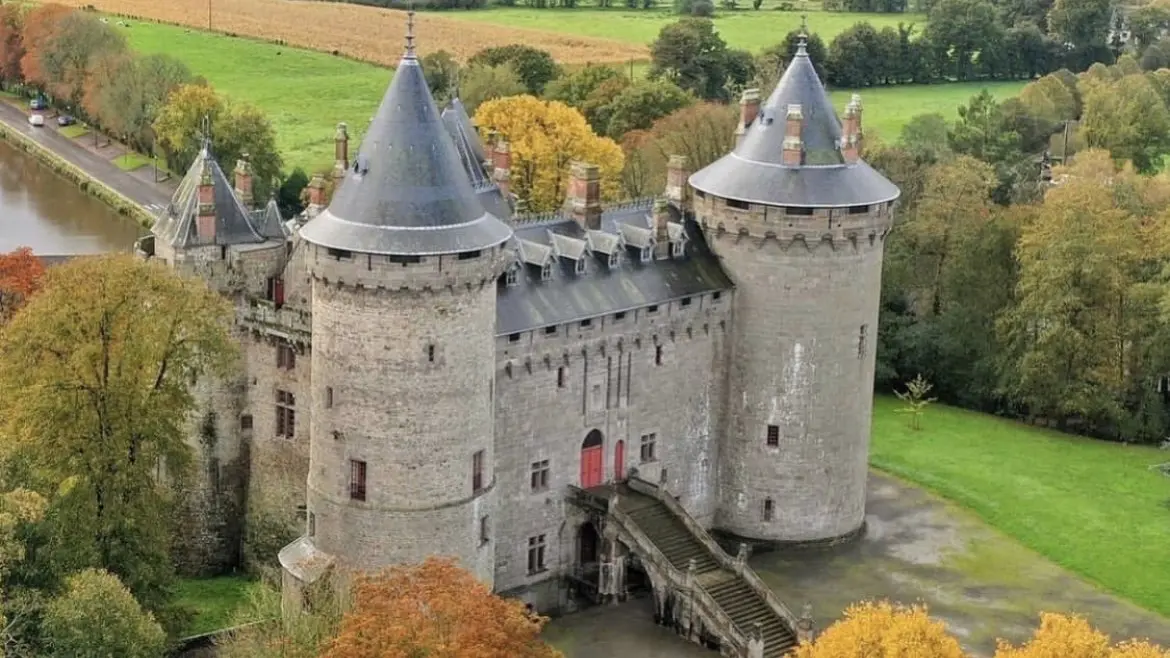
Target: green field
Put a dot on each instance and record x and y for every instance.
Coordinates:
(1093, 507)
(214, 601)
(888, 108)
(748, 29)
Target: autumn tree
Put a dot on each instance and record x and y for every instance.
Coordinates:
(97, 617)
(94, 394)
(883, 629)
(1128, 118)
(178, 127)
(63, 60)
(11, 42)
(41, 26)
(435, 609)
(546, 136)
(20, 277)
(303, 635)
(1071, 636)
(124, 93)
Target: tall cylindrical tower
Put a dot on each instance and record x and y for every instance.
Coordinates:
(799, 222)
(404, 265)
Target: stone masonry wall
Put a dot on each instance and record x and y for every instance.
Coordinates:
(806, 312)
(612, 383)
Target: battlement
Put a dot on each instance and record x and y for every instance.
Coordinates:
(267, 318)
(857, 227)
(406, 272)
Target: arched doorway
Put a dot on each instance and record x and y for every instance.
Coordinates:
(588, 546)
(592, 460)
(619, 461)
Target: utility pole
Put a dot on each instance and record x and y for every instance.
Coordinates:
(208, 15)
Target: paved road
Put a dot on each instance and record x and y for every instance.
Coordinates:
(149, 196)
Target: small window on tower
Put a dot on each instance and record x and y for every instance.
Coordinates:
(768, 509)
(858, 210)
(357, 480)
(561, 377)
(548, 331)
(286, 356)
(339, 254)
(773, 435)
(513, 338)
(468, 255)
(477, 460)
(246, 423)
(484, 530)
(431, 353)
(736, 203)
(657, 355)
(328, 397)
(861, 338)
(794, 210)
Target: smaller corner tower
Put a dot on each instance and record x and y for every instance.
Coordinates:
(799, 222)
(403, 263)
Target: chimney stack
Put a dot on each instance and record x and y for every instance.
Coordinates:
(341, 151)
(749, 109)
(243, 174)
(502, 165)
(661, 232)
(851, 134)
(793, 154)
(316, 194)
(205, 219)
(678, 190)
(584, 198)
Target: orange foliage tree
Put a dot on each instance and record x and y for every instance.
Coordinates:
(11, 42)
(435, 609)
(20, 277)
(883, 630)
(40, 31)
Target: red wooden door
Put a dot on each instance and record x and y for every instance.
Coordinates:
(592, 471)
(619, 461)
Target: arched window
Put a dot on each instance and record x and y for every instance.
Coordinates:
(592, 460)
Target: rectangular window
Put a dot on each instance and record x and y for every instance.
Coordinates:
(586, 323)
(581, 265)
(286, 356)
(339, 254)
(736, 203)
(512, 276)
(328, 397)
(546, 272)
(773, 435)
(561, 377)
(536, 554)
(275, 291)
(513, 338)
(768, 509)
(430, 353)
(484, 530)
(792, 210)
(861, 341)
(858, 210)
(357, 480)
(550, 330)
(716, 295)
(648, 452)
(246, 422)
(477, 471)
(685, 301)
(286, 415)
(653, 308)
(538, 478)
(468, 255)
(312, 524)
(619, 316)
(657, 355)
(677, 249)
(404, 259)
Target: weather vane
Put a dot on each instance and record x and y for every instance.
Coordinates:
(803, 36)
(410, 31)
(205, 130)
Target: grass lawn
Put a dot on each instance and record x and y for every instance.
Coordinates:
(1091, 506)
(74, 131)
(887, 109)
(129, 161)
(749, 29)
(215, 601)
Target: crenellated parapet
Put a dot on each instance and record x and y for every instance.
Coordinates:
(856, 228)
(406, 273)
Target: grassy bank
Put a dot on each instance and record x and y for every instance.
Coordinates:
(215, 601)
(1093, 507)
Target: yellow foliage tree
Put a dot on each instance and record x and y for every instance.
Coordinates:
(545, 137)
(883, 630)
(1070, 636)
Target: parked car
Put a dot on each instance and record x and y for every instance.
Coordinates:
(66, 120)
(38, 104)
(37, 120)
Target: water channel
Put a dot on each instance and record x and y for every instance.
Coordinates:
(42, 210)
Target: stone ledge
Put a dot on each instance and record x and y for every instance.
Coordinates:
(731, 541)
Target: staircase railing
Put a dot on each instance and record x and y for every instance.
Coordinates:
(740, 567)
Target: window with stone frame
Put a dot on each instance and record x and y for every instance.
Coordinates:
(769, 509)
(357, 479)
(246, 423)
(536, 551)
(484, 530)
(477, 460)
(773, 435)
(286, 356)
(286, 415)
(648, 449)
(538, 476)
(861, 339)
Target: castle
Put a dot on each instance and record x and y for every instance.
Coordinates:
(428, 372)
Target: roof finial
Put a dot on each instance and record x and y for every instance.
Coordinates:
(410, 31)
(802, 38)
(205, 134)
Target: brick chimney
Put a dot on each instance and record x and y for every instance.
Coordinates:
(661, 232)
(793, 154)
(316, 189)
(584, 198)
(205, 214)
(851, 135)
(502, 165)
(749, 109)
(678, 190)
(340, 151)
(243, 177)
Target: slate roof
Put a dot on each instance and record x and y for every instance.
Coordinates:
(235, 224)
(269, 222)
(407, 191)
(457, 120)
(569, 296)
(472, 157)
(754, 172)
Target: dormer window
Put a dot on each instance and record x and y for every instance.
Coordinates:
(646, 253)
(613, 259)
(546, 272)
(580, 266)
(676, 248)
(512, 276)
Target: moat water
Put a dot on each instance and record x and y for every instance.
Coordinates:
(42, 210)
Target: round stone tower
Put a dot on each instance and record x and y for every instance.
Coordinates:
(404, 264)
(799, 222)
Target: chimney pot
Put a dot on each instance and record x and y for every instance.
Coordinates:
(677, 188)
(243, 180)
(340, 151)
(749, 110)
(317, 191)
(584, 196)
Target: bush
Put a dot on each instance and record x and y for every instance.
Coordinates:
(533, 66)
(97, 617)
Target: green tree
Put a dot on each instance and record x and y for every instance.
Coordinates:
(858, 57)
(1129, 119)
(691, 54)
(925, 137)
(982, 132)
(573, 88)
(305, 635)
(124, 93)
(80, 38)
(1050, 99)
(638, 106)
(533, 66)
(97, 617)
(442, 74)
(94, 395)
(480, 83)
(957, 30)
(772, 61)
(243, 129)
(1082, 23)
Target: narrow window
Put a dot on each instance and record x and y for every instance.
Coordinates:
(512, 276)
(561, 377)
(477, 471)
(619, 316)
(286, 356)
(513, 338)
(861, 341)
(246, 422)
(613, 259)
(773, 435)
(736, 203)
(538, 476)
(328, 397)
(646, 254)
(357, 480)
(286, 415)
(657, 355)
(685, 301)
(648, 452)
(431, 353)
(550, 330)
(404, 259)
(339, 254)
(653, 308)
(546, 272)
(536, 554)
(312, 524)
(716, 295)
(468, 255)
(484, 530)
(275, 292)
(586, 323)
(302, 512)
(767, 509)
(792, 210)
(581, 265)
(858, 210)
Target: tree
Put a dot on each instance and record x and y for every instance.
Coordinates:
(11, 42)
(703, 132)
(1060, 635)
(40, 30)
(691, 54)
(64, 60)
(244, 130)
(925, 136)
(435, 608)
(289, 195)
(304, 635)
(179, 124)
(480, 83)
(598, 105)
(1129, 119)
(546, 136)
(915, 400)
(97, 617)
(883, 629)
(957, 30)
(20, 276)
(574, 87)
(1049, 99)
(772, 61)
(1082, 23)
(858, 57)
(981, 132)
(442, 74)
(534, 67)
(641, 104)
(94, 394)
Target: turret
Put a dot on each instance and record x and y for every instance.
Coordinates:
(799, 222)
(403, 264)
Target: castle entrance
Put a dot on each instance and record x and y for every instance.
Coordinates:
(592, 460)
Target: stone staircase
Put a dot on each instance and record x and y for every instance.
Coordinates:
(688, 553)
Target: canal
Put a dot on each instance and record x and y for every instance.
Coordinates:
(42, 210)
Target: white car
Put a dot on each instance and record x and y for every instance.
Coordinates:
(37, 120)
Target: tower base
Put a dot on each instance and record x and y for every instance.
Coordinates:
(730, 541)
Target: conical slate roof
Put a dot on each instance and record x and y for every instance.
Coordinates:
(457, 120)
(407, 191)
(754, 170)
(471, 155)
(175, 225)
